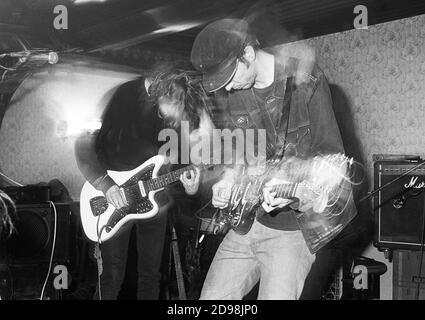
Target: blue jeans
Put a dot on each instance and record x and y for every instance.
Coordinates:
(279, 259)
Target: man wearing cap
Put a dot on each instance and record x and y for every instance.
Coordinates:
(289, 97)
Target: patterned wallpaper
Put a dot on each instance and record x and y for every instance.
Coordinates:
(381, 72)
(377, 79)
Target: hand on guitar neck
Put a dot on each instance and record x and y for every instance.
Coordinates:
(190, 181)
(305, 199)
(271, 201)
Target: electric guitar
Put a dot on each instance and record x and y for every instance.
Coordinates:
(101, 220)
(317, 187)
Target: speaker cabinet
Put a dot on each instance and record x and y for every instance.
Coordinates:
(399, 207)
(32, 241)
(26, 254)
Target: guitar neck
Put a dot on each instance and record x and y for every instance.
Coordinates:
(168, 178)
(286, 190)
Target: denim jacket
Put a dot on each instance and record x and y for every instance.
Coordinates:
(312, 126)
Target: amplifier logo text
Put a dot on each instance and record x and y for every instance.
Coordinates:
(414, 183)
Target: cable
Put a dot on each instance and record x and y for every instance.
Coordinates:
(199, 226)
(210, 222)
(3, 75)
(7, 69)
(98, 256)
(199, 210)
(53, 249)
(11, 180)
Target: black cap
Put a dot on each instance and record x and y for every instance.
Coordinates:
(216, 49)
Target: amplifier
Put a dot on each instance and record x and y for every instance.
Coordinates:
(31, 243)
(399, 207)
(29, 194)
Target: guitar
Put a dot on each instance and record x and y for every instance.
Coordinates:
(101, 220)
(318, 190)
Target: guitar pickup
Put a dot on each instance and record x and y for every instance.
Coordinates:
(142, 188)
(123, 194)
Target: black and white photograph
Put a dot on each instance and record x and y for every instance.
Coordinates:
(211, 154)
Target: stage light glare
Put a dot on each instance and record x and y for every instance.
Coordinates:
(72, 128)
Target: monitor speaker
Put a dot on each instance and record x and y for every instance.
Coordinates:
(399, 207)
(32, 241)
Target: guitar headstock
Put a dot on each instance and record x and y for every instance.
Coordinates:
(330, 170)
(327, 174)
(311, 198)
(339, 159)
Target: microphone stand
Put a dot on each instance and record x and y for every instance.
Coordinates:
(371, 193)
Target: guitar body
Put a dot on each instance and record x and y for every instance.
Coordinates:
(240, 219)
(101, 221)
(245, 200)
(246, 215)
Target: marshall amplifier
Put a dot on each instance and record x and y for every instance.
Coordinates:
(399, 207)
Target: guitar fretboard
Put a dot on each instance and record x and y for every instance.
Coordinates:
(169, 178)
(286, 190)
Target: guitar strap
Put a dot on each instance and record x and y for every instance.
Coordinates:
(276, 145)
(283, 126)
(243, 105)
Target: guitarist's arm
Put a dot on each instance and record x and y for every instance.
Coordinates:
(325, 134)
(93, 171)
(221, 191)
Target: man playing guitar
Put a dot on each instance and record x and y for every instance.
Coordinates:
(138, 110)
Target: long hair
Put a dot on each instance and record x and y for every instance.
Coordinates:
(183, 91)
(7, 211)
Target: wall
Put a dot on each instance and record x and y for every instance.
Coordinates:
(34, 147)
(379, 74)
